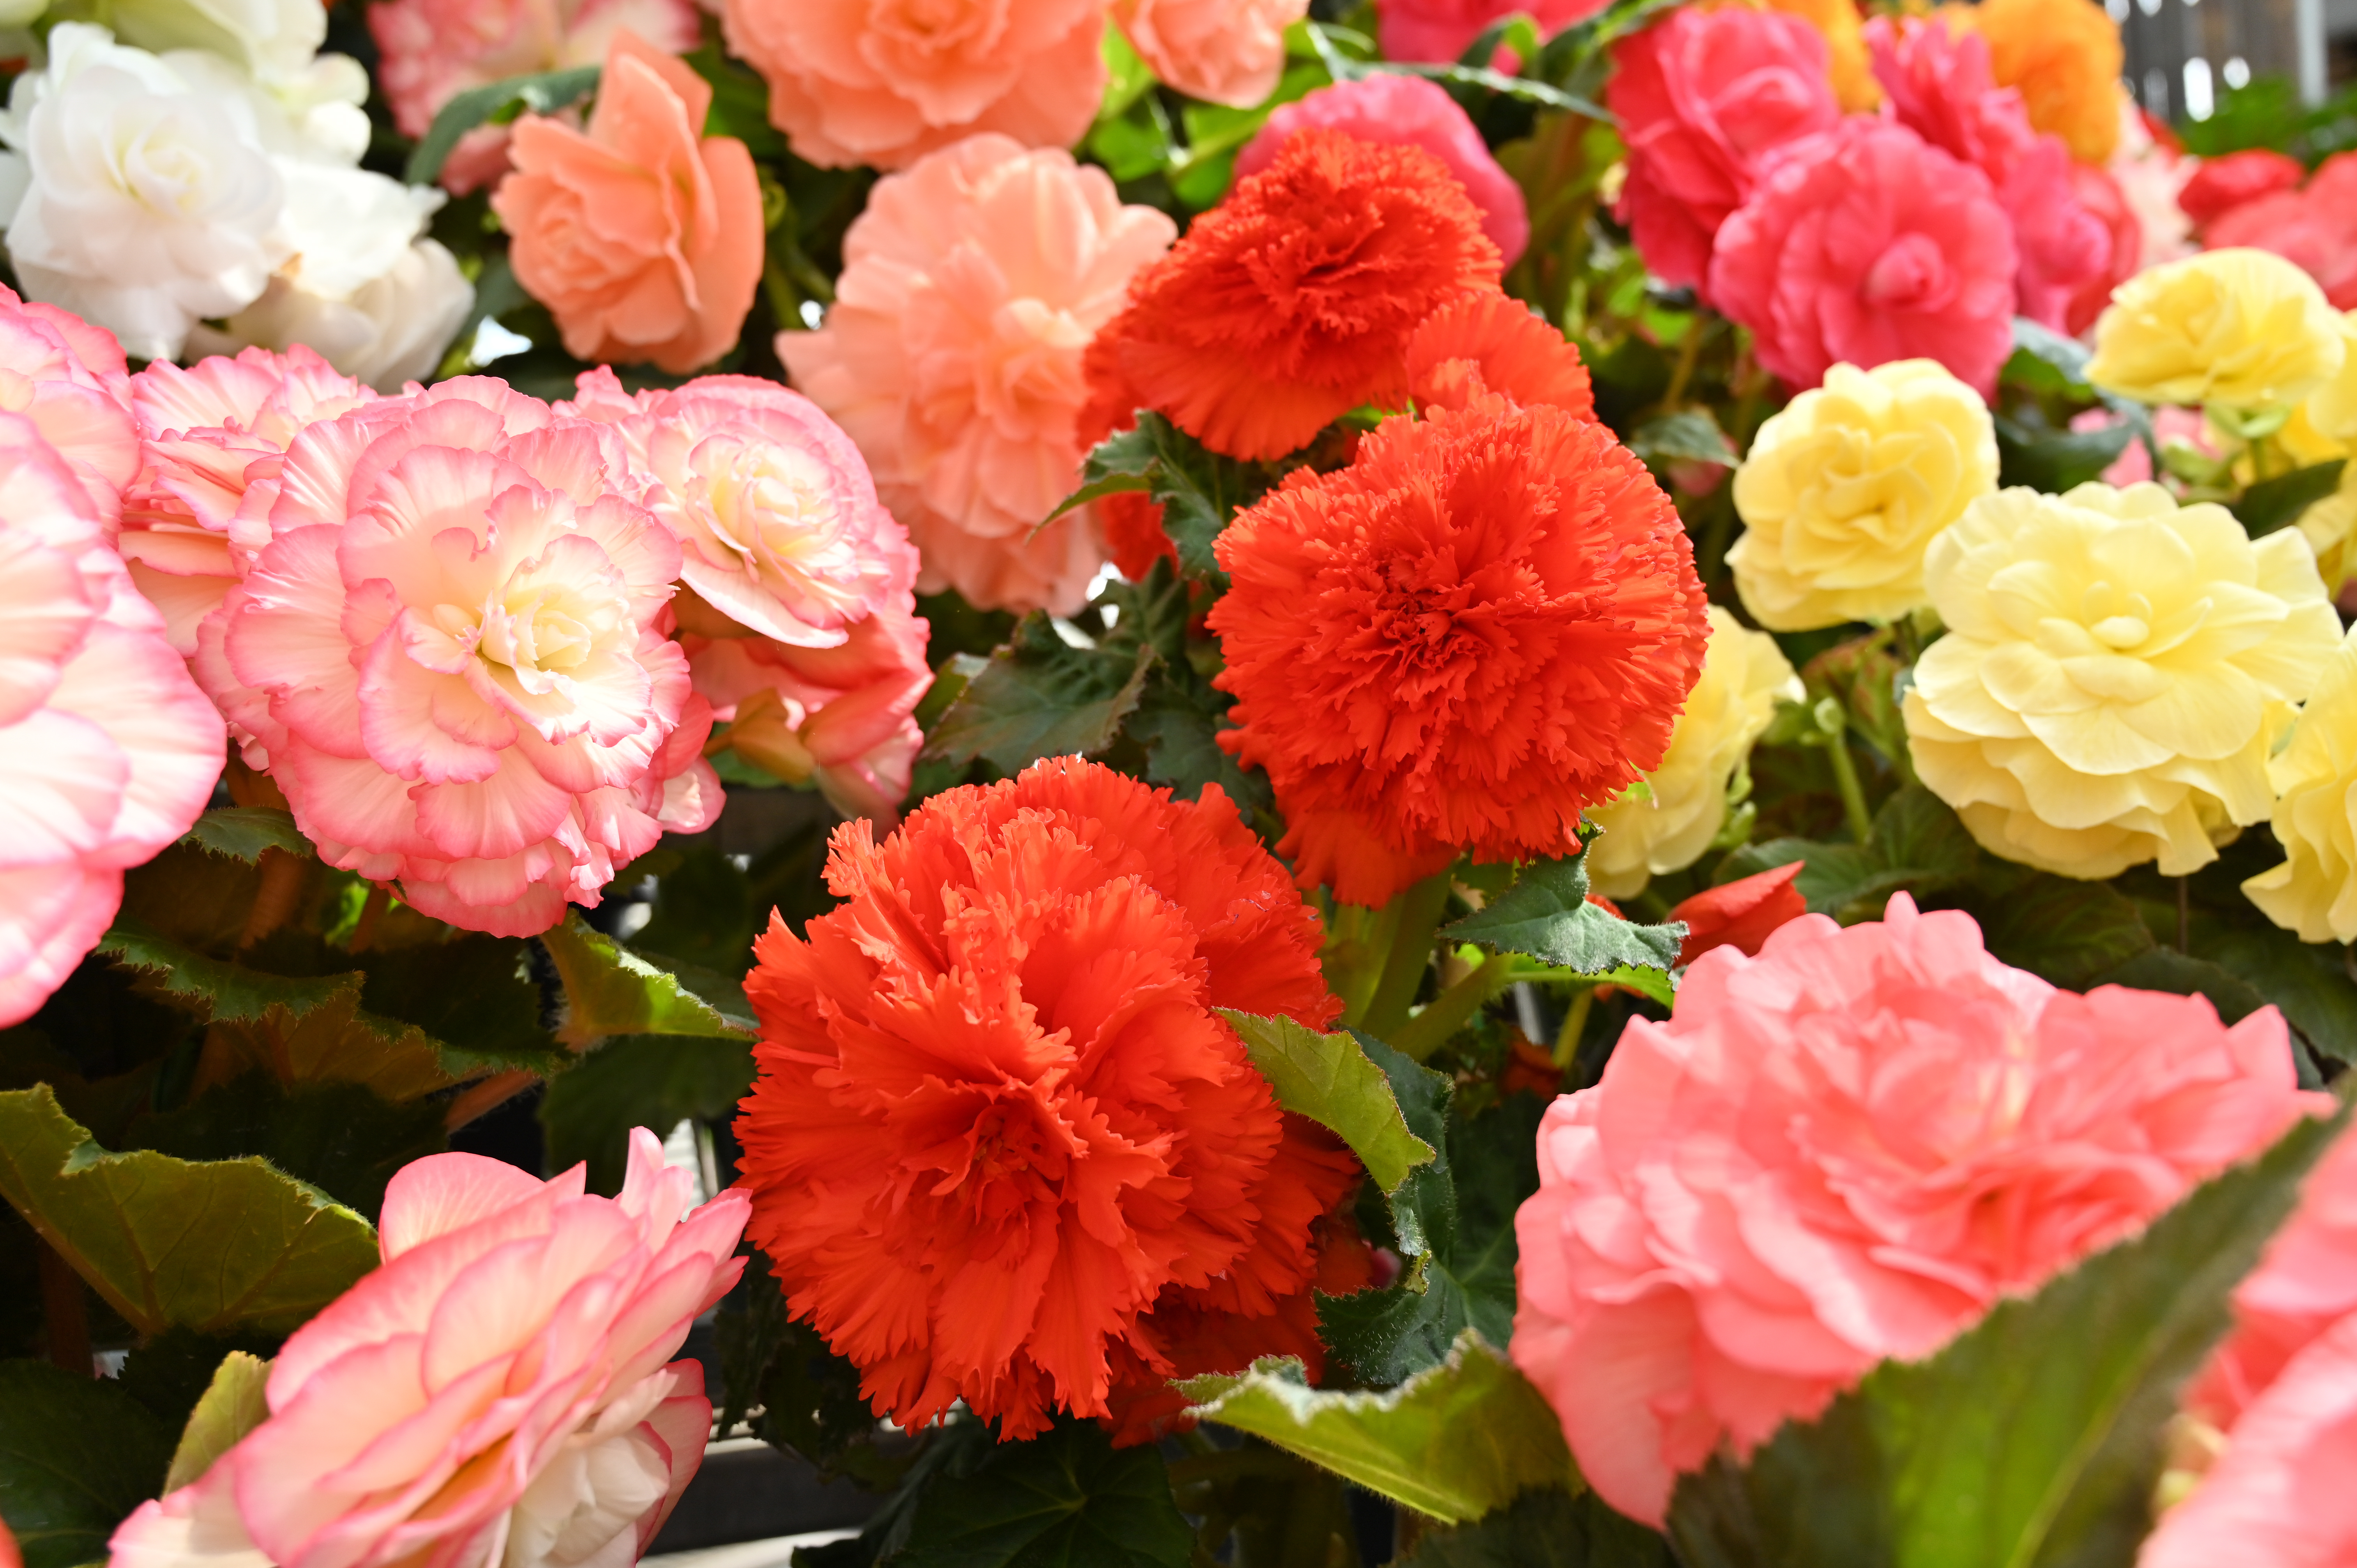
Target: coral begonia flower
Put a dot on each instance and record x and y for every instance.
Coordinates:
(641, 235)
(1001, 1149)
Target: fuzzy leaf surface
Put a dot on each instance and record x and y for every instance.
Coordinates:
(1333, 1081)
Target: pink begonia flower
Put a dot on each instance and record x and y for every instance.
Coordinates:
(886, 81)
(1701, 97)
(1866, 244)
(495, 1393)
(796, 614)
(2215, 186)
(1936, 82)
(68, 377)
(107, 749)
(1223, 51)
(452, 655)
(2315, 226)
(429, 52)
(841, 716)
(203, 432)
(1405, 111)
(1820, 1162)
(1438, 31)
(971, 288)
(2150, 176)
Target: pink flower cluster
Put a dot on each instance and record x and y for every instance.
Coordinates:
(107, 749)
(501, 1391)
(2265, 200)
(1919, 232)
(1823, 1159)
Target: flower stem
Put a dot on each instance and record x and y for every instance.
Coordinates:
(1574, 1024)
(1413, 915)
(1861, 820)
(1448, 1012)
(372, 916)
(65, 1315)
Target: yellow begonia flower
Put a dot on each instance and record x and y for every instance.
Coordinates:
(1668, 824)
(2063, 57)
(1845, 488)
(2314, 891)
(2234, 329)
(2116, 671)
(2318, 430)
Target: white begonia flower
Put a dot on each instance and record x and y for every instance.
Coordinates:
(392, 329)
(269, 38)
(146, 193)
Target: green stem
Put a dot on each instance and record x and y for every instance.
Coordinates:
(1566, 1039)
(1417, 911)
(1689, 351)
(1448, 1012)
(1861, 820)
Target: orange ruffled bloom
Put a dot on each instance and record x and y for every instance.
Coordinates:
(1492, 343)
(2063, 57)
(643, 235)
(1292, 302)
(1486, 623)
(1000, 1148)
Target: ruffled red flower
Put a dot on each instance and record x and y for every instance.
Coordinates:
(1492, 343)
(1292, 301)
(1486, 623)
(998, 1131)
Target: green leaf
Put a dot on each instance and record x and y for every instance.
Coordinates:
(1330, 1080)
(218, 988)
(703, 914)
(1688, 435)
(1066, 1498)
(2278, 502)
(1455, 1441)
(1917, 844)
(2165, 968)
(1042, 697)
(2307, 980)
(231, 1406)
(2045, 360)
(77, 1455)
(2032, 1440)
(474, 995)
(206, 1246)
(342, 1138)
(654, 1081)
(242, 833)
(1545, 1530)
(1546, 914)
(1198, 490)
(609, 990)
(544, 92)
(2055, 460)
(2072, 933)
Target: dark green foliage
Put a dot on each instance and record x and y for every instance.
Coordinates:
(339, 1137)
(77, 1455)
(1545, 1530)
(1546, 914)
(639, 1081)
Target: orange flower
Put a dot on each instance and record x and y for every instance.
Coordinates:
(1483, 625)
(1292, 301)
(2063, 57)
(643, 236)
(997, 1128)
(1492, 343)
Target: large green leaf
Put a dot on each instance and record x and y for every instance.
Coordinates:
(609, 990)
(1330, 1080)
(2032, 1441)
(2308, 980)
(242, 833)
(166, 1241)
(342, 1138)
(2072, 933)
(1546, 914)
(1039, 696)
(77, 1455)
(1454, 1442)
(639, 1081)
(1066, 1498)
(1917, 844)
(473, 994)
(1545, 1530)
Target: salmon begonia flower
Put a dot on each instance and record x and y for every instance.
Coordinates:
(451, 655)
(1223, 51)
(641, 235)
(500, 1392)
(1817, 1163)
(1001, 1148)
(107, 750)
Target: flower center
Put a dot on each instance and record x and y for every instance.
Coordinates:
(1910, 275)
(2117, 620)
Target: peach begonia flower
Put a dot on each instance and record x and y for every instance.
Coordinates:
(68, 377)
(1818, 1163)
(1223, 51)
(495, 1393)
(971, 288)
(205, 431)
(429, 52)
(107, 750)
(795, 613)
(886, 81)
(451, 655)
(641, 235)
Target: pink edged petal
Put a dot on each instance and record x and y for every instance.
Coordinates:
(47, 606)
(50, 917)
(582, 460)
(679, 1424)
(442, 1193)
(492, 818)
(692, 800)
(182, 601)
(63, 780)
(349, 801)
(168, 733)
(537, 908)
(398, 705)
(496, 1305)
(196, 1527)
(641, 548)
(284, 636)
(431, 492)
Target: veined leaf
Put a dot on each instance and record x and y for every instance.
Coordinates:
(2034, 1440)
(1454, 1442)
(1546, 914)
(1039, 696)
(609, 990)
(209, 1246)
(1067, 1497)
(242, 833)
(1332, 1081)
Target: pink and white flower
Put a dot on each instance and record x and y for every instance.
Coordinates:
(107, 750)
(453, 656)
(499, 1392)
(68, 378)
